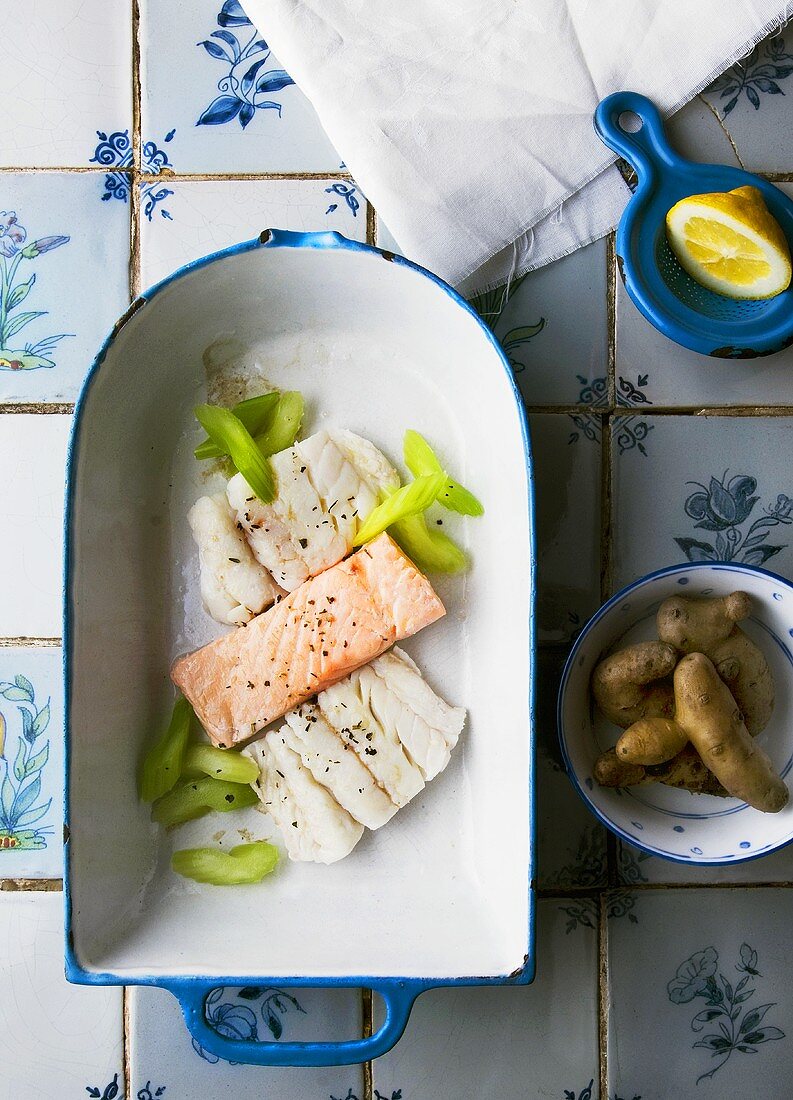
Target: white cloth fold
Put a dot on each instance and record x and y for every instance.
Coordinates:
(468, 124)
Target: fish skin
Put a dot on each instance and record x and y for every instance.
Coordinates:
(332, 764)
(369, 601)
(314, 826)
(233, 591)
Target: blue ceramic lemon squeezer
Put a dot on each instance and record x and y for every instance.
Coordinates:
(669, 298)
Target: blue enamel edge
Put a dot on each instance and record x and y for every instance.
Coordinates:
(399, 993)
(755, 338)
(668, 571)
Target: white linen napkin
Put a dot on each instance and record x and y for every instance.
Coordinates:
(468, 123)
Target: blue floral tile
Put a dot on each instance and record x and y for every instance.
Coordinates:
(56, 233)
(567, 470)
(67, 69)
(754, 99)
(211, 86)
(163, 1056)
(205, 215)
(56, 1040)
(32, 460)
(634, 867)
(668, 375)
(31, 762)
(535, 1041)
(700, 1004)
(701, 489)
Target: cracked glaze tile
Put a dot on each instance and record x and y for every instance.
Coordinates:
(67, 71)
(529, 1041)
(197, 217)
(33, 459)
(712, 992)
(31, 773)
(56, 1040)
(56, 236)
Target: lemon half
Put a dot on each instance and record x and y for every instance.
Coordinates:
(730, 243)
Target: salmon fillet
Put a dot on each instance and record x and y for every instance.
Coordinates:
(323, 630)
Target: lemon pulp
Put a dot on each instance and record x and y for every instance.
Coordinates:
(730, 243)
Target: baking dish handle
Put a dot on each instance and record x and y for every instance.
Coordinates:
(398, 998)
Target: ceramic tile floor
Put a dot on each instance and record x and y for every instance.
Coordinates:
(645, 984)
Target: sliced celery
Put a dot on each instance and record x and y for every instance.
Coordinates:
(407, 501)
(282, 431)
(421, 459)
(256, 414)
(194, 799)
(431, 550)
(244, 863)
(162, 764)
(230, 434)
(225, 764)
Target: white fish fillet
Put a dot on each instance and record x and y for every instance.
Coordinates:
(234, 586)
(345, 708)
(406, 706)
(336, 766)
(314, 826)
(327, 485)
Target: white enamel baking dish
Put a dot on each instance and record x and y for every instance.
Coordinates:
(443, 893)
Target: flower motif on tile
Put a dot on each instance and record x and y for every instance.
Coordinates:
(584, 1094)
(233, 1020)
(115, 151)
(395, 1095)
(348, 192)
(758, 73)
(620, 903)
(724, 507)
(635, 1096)
(110, 1091)
(247, 83)
(735, 1028)
(589, 865)
(146, 1092)
(20, 788)
(15, 249)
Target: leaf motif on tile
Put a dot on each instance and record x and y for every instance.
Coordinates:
(620, 903)
(735, 1028)
(20, 787)
(146, 1093)
(629, 860)
(349, 193)
(723, 508)
(15, 251)
(490, 304)
(247, 83)
(757, 74)
(588, 868)
(580, 913)
(115, 152)
(395, 1095)
(584, 1094)
(110, 1091)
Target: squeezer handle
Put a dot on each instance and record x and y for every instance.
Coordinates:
(645, 148)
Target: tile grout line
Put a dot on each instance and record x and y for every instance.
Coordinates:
(37, 408)
(371, 224)
(232, 177)
(23, 642)
(602, 998)
(31, 885)
(367, 1027)
(135, 180)
(611, 319)
(126, 1067)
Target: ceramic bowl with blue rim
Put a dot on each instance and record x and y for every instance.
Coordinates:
(664, 821)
